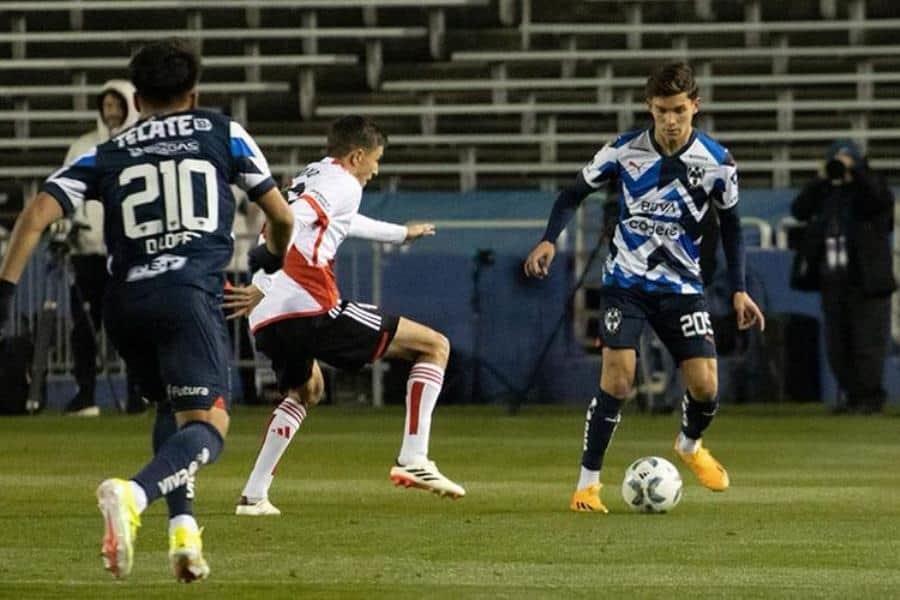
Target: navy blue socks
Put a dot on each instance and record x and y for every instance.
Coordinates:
(602, 418)
(696, 416)
(178, 458)
(165, 427)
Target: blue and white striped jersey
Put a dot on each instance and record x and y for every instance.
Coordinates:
(165, 187)
(656, 246)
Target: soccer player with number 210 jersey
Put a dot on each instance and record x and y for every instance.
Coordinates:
(298, 317)
(670, 176)
(165, 186)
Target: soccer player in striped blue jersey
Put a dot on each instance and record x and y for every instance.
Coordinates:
(165, 186)
(670, 176)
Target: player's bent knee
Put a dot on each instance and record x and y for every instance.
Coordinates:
(617, 383)
(440, 348)
(312, 395)
(314, 389)
(704, 390)
(617, 389)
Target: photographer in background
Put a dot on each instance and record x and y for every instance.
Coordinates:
(116, 112)
(850, 209)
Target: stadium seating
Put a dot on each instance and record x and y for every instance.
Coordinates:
(475, 93)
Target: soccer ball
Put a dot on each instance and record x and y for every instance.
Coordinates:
(652, 485)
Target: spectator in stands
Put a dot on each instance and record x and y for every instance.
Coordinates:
(116, 111)
(851, 209)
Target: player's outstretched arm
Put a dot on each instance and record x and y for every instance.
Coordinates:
(415, 231)
(366, 228)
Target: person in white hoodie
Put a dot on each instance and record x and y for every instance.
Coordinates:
(116, 111)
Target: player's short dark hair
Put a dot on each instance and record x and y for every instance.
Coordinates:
(349, 133)
(164, 71)
(670, 80)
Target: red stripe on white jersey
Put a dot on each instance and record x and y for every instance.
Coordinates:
(320, 282)
(321, 222)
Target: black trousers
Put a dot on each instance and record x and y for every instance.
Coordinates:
(857, 331)
(86, 297)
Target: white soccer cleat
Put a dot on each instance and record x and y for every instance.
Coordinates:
(426, 476)
(260, 508)
(121, 520)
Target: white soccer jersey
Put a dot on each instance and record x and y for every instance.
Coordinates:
(656, 246)
(325, 199)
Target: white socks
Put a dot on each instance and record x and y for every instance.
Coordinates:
(587, 478)
(286, 420)
(686, 444)
(186, 521)
(140, 496)
(422, 389)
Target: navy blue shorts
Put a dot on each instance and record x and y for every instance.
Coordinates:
(680, 320)
(174, 342)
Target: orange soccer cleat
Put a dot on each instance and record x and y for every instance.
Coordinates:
(588, 500)
(709, 471)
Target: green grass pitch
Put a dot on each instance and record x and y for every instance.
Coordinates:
(813, 512)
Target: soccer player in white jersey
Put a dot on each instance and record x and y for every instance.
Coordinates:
(669, 176)
(297, 315)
